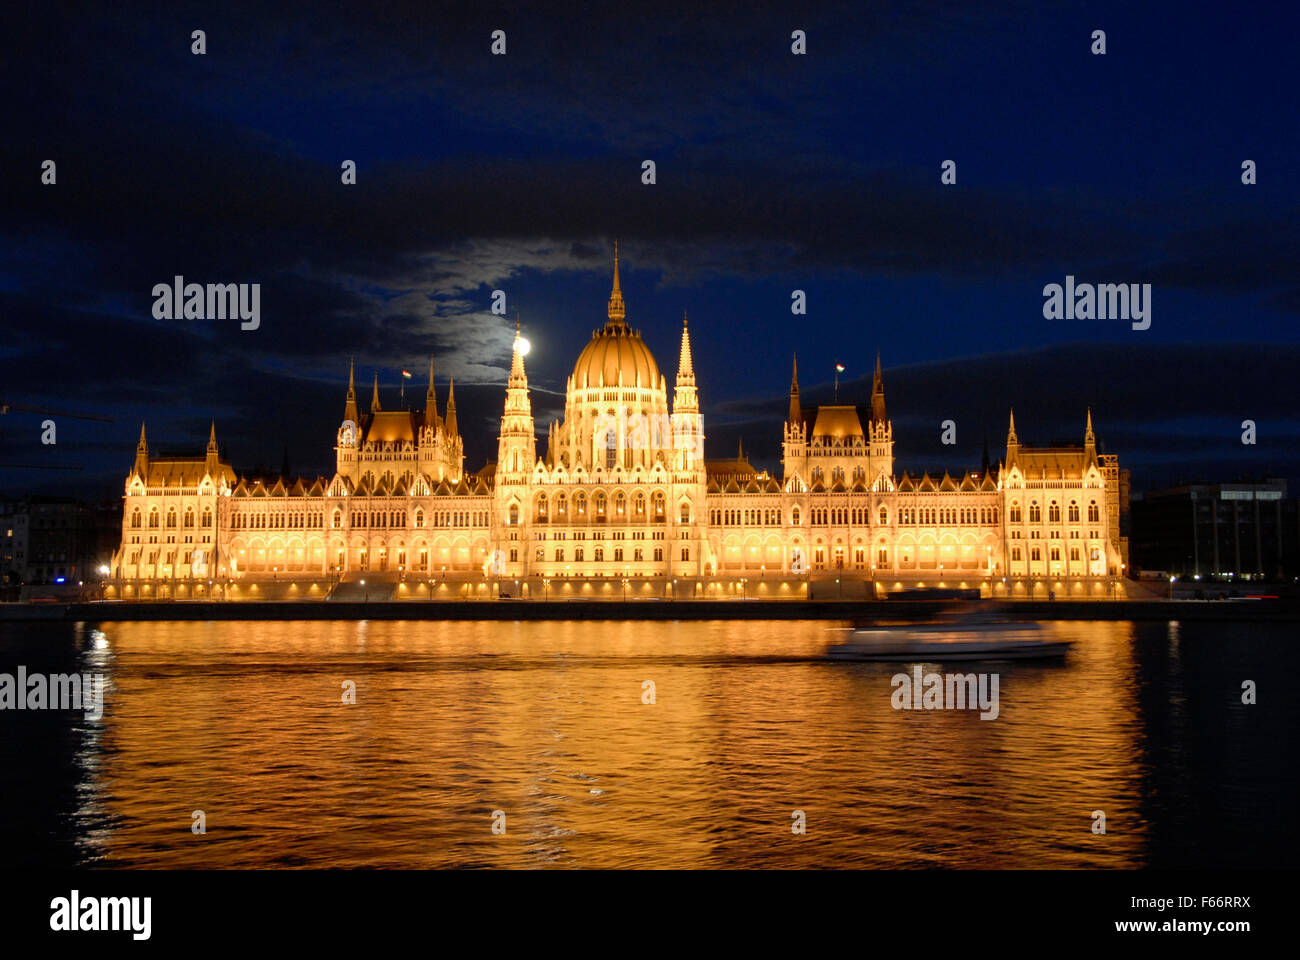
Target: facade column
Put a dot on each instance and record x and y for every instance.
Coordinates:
(1196, 539)
(1259, 535)
(1214, 525)
(1236, 537)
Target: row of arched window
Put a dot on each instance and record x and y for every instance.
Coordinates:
(154, 519)
(560, 508)
(275, 521)
(751, 517)
(378, 518)
(945, 516)
(1054, 512)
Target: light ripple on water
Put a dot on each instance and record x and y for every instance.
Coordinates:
(244, 720)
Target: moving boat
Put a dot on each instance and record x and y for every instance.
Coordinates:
(960, 636)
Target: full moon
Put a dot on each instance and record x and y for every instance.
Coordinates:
(524, 347)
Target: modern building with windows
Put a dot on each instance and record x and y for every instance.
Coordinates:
(618, 498)
(1248, 530)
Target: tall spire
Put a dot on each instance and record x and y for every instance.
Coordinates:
(685, 366)
(1013, 443)
(374, 400)
(686, 400)
(350, 407)
(431, 400)
(1088, 435)
(517, 357)
(212, 456)
(517, 442)
(451, 408)
(617, 310)
(796, 414)
(142, 453)
(878, 393)
(740, 449)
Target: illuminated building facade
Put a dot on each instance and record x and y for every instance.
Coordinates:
(622, 493)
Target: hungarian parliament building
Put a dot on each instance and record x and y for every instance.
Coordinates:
(622, 501)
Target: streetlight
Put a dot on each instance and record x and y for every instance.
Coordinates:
(1171, 588)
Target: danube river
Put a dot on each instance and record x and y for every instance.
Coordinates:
(542, 729)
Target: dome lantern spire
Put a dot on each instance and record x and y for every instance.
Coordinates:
(617, 310)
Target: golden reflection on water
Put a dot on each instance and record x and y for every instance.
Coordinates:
(545, 722)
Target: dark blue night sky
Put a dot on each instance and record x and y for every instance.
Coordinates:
(775, 172)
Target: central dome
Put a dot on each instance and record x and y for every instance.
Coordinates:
(613, 351)
(616, 350)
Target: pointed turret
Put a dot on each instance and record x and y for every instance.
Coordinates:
(796, 412)
(431, 400)
(686, 399)
(517, 358)
(617, 310)
(685, 364)
(350, 408)
(142, 453)
(517, 443)
(213, 456)
(687, 424)
(374, 400)
(1013, 442)
(451, 428)
(740, 449)
(878, 393)
(1089, 440)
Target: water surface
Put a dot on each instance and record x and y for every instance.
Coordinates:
(545, 722)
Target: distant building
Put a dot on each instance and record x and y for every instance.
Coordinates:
(13, 540)
(50, 540)
(1245, 530)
